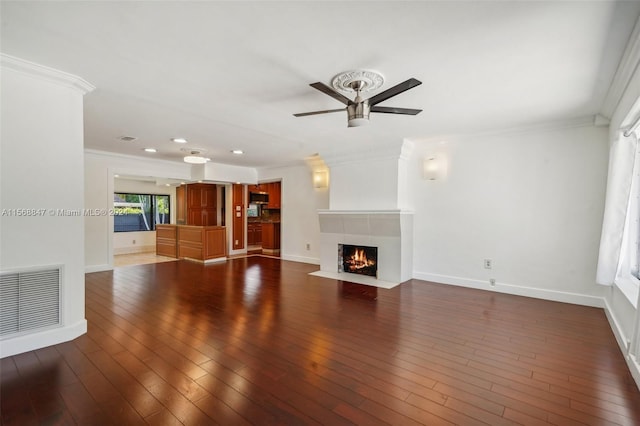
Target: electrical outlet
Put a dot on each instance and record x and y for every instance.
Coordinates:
(236, 242)
(134, 241)
(308, 246)
(492, 282)
(488, 263)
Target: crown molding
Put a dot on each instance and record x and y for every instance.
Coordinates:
(46, 73)
(626, 69)
(585, 121)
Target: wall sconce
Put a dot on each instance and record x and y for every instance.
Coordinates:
(320, 179)
(431, 168)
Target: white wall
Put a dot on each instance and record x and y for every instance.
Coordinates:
(143, 241)
(370, 184)
(299, 212)
(42, 168)
(99, 171)
(530, 201)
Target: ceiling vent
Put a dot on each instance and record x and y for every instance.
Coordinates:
(127, 138)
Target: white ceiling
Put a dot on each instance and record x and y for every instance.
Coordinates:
(229, 75)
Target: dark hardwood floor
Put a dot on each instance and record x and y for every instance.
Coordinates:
(258, 341)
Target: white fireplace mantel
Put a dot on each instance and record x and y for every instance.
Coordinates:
(383, 223)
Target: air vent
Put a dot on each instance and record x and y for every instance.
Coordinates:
(29, 301)
(127, 138)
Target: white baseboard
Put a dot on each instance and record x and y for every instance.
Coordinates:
(37, 340)
(97, 268)
(621, 337)
(301, 259)
(634, 367)
(623, 342)
(556, 296)
(237, 252)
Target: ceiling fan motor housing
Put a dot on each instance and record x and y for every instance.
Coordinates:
(358, 114)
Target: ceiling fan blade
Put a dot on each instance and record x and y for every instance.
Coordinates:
(393, 91)
(304, 114)
(394, 110)
(329, 91)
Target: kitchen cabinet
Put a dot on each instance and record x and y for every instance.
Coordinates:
(271, 236)
(196, 204)
(273, 188)
(254, 233)
(181, 205)
(256, 188)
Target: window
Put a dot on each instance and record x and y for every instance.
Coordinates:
(628, 277)
(139, 212)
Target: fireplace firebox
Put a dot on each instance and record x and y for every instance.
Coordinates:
(357, 259)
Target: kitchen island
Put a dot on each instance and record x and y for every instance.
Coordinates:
(200, 243)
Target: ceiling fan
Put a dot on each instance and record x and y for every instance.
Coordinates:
(362, 81)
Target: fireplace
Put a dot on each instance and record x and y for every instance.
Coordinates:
(357, 259)
(389, 232)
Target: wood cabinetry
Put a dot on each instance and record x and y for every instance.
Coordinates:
(181, 205)
(196, 204)
(202, 243)
(166, 240)
(271, 236)
(254, 233)
(273, 189)
(237, 223)
(201, 217)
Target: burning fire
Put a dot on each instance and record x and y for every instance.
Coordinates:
(359, 260)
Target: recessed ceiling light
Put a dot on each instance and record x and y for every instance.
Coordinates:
(150, 150)
(179, 140)
(238, 151)
(116, 175)
(167, 184)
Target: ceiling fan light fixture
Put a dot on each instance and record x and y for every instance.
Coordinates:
(358, 122)
(358, 114)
